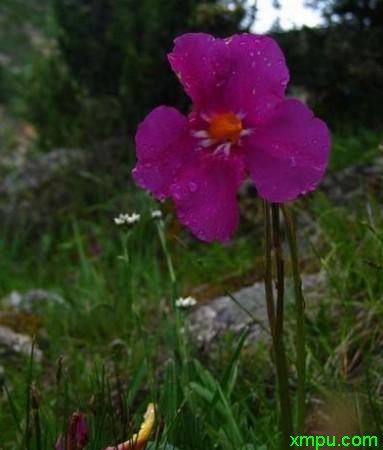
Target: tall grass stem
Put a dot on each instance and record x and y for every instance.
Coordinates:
(300, 319)
(272, 228)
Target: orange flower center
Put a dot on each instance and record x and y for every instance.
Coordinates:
(225, 127)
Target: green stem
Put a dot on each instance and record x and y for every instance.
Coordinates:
(300, 323)
(268, 270)
(180, 344)
(279, 349)
(169, 262)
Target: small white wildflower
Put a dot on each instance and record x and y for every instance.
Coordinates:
(132, 218)
(129, 219)
(186, 302)
(156, 214)
(119, 220)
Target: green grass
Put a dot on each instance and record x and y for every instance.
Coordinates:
(354, 146)
(119, 340)
(117, 343)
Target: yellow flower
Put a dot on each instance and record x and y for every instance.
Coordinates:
(138, 440)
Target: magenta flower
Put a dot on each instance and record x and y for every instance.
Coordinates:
(240, 122)
(77, 433)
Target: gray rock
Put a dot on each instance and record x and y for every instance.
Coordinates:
(31, 193)
(29, 300)
(244, 308)
(16, 343)
(345, 186)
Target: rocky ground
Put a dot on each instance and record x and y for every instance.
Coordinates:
(38, 185)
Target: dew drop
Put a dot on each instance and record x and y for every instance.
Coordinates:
(312, 187)
(293, 162)
(201, 234)
(192, 186)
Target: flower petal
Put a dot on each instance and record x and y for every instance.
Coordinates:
(288, 156)
(200, 61)
(259, 75)
(245, 73)
(205, 197)
(164, 146)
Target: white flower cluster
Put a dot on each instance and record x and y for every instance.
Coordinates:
(186, 302)
(156, 214)
(128, 219)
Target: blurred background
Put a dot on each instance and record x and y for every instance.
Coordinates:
(76, 77)
(80, 75)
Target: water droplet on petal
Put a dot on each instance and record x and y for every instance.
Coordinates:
(201, 234)
(293, 162)
(192, 186)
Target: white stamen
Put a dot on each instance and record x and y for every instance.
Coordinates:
(208, 142)
(205, 117)
(246, 132)
(200, 134)
(225, 148)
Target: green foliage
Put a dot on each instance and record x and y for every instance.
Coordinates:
(363, 13)
(341, 67)
(116, 334)
(103, 77)
(356, 146)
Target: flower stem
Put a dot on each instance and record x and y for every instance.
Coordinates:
(300, 312)
(276, 317)
(180, 346)
(169, 262)
(268, 270)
